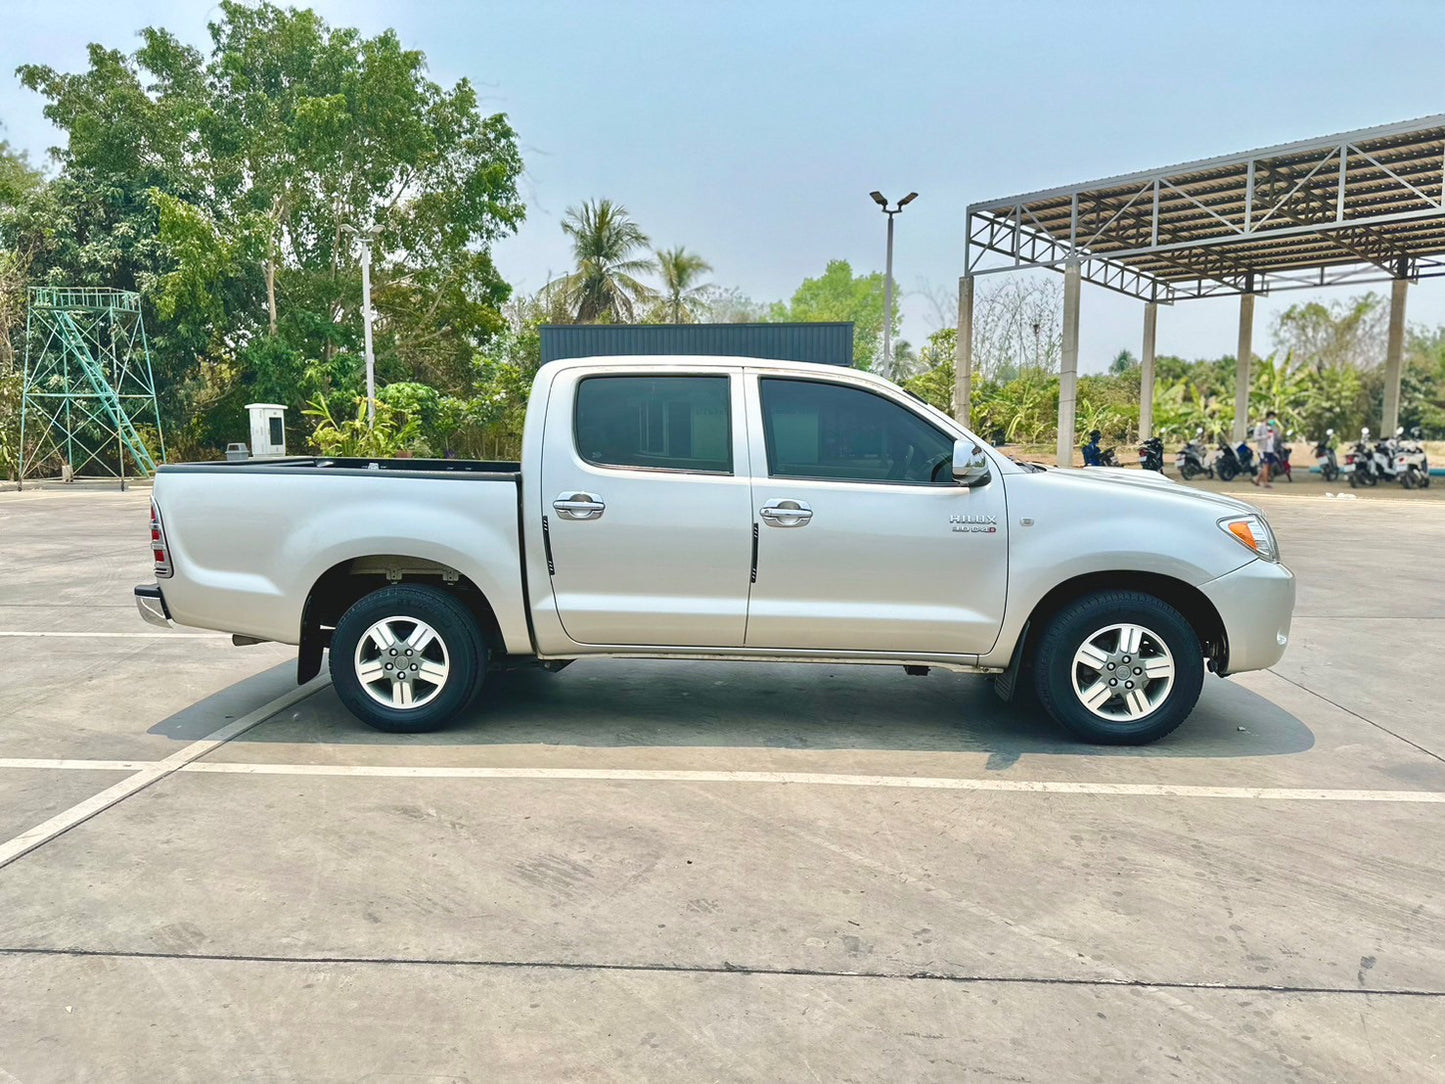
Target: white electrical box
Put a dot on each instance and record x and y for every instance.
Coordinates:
(268, 429)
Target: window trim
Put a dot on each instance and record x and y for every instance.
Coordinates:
(768, 435)
(727, 378)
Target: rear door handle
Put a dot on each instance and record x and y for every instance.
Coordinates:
(786, 512)
(579, 506)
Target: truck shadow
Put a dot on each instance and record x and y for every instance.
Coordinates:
(621, 704)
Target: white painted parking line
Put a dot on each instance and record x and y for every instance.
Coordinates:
(153, 772)
(77, 765)
(813, 779)
(827, 779)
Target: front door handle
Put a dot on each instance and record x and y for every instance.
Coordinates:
(786, 512)
(579, 506)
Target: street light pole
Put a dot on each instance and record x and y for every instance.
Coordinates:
(366, 237)
(888, 276)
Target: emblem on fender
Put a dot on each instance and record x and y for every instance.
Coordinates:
(974, 524)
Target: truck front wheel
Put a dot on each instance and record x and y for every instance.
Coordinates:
(1119, 668)
(407, 658)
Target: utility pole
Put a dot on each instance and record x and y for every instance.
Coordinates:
(366, 237)
(888, 277)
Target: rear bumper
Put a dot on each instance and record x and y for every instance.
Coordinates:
(152, 605)
(1256, 603)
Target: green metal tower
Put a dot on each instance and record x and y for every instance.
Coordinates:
(87, 384)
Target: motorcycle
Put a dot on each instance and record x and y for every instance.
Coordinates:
(1325, 456)
(1411, 464)
(1093, 457)
(1233, 462)
(1281, 462)
(1151, 455)
(1193, 459)
(1382, 460)
(1360, 463)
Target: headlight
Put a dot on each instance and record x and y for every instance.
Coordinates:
(1253, 533)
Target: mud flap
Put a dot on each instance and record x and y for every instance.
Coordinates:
(1005, 684)
(308, 653)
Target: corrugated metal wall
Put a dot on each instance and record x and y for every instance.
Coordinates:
(829, 344)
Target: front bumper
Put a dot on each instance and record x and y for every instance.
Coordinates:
(152, 605)
(1256, 602)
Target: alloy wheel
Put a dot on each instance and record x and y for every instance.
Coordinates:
(402, 663)
(1123, 672)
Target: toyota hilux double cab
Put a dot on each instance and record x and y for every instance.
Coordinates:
(726, 508)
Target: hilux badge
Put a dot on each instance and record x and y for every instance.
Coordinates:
(974, 524)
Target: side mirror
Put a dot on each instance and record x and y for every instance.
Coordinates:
(970, 465)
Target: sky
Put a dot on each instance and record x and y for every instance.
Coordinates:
(752, 132)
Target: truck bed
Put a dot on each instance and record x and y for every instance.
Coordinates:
(249, 540)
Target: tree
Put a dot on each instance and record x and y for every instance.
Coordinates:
(1123, 362)
(1350, 333)
(1018, 327)
(729, 305)
(604, 288)
(18, 183)
(219, 185)
(684, 300)
(838, 295)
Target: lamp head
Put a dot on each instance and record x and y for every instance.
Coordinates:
(906, 200)
(878, 199)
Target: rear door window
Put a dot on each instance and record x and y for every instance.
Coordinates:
(672, 423)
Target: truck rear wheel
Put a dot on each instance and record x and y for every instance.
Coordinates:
(1119, 668)
(407, 658)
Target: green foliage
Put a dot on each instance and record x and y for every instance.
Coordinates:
(219, 184)
(355, 437)
(9, 424)
(838, 294)
(934, 384)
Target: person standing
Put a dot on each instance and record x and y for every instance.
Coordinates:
(1266, 436)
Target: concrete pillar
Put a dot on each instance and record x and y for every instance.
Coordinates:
(1069, 364)
(1243, 356)
(963, 352)
(1394, 355)
(1146, 371)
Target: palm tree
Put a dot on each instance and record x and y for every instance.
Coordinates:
(684, 298)
(605, 241)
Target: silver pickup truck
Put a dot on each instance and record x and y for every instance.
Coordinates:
(726, 508)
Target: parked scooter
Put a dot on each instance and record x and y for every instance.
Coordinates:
(1382, 460)
(1411, 465)
(1360, 462)
(1151, 455)
(1282, 467)
(1325, 456)
(1193, 459)
(1093, 457)
(1233, 462)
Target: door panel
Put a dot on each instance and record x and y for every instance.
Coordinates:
(649, 522)
(886, 561)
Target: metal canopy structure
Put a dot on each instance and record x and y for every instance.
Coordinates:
(1358, 207)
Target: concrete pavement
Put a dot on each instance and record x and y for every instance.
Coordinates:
(1259, 895)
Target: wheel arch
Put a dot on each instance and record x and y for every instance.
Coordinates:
(1184, 597)
(346, 582)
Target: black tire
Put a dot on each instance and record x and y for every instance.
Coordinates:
(1188, 471)
(1330, 473)
(1079, 622)
(1355, 478)
(1407, 479)
(1227, 471)
(458, 643)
